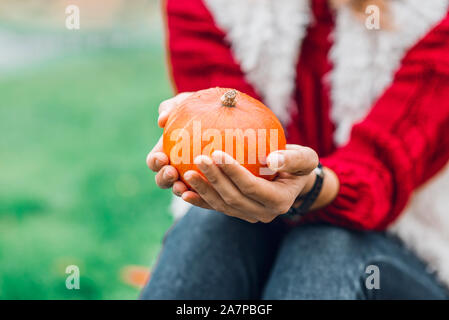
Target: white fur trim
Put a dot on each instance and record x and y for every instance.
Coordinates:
(424, 226)
(365, 60)
(266, 37)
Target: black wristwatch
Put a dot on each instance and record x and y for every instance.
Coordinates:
(309, 198)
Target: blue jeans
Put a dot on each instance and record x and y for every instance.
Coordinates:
(208, 255)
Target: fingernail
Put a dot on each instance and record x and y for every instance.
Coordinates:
(221, 157)
(157, 163)
(202, 161)
(189, 178)
(161, 115)
(216, 155)
(168, 175)
(275, 161)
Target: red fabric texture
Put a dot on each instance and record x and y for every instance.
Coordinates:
(199, 55)
(402, 142)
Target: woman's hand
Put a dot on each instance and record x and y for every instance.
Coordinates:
(157, 160)
(232, 189)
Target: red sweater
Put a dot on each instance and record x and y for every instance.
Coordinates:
(402, 142)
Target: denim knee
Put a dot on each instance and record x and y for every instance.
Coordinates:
(317, 262)
(198, 224)
(328, 262)
(208, 255)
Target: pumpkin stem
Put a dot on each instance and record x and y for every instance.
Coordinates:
(228, 99)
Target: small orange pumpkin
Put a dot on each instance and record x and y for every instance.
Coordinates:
(226, 120)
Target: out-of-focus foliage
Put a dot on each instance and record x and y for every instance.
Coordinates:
(75, 129)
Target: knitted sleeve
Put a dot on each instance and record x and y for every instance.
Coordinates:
(402, 142)
(199, 55)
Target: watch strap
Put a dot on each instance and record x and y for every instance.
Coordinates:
(309, 198)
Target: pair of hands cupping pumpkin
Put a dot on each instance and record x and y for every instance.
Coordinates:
(222, 183)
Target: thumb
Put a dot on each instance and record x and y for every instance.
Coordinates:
(167, 106)
(296, 160)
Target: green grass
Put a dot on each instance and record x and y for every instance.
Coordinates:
(74, 187)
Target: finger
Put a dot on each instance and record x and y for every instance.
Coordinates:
(225, 188)
(296, 160)
(166, 177)
(167, 106)
(193, 198)
(258, 189)
(205, 191)
(156, 159)
(179, 188)
(211, 197)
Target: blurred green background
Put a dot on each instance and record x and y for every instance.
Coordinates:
(78, 115)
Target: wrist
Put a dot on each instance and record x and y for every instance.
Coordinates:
(310, 180)
(328, 192)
